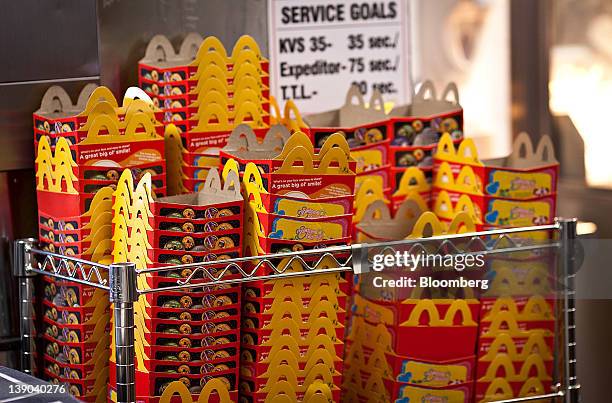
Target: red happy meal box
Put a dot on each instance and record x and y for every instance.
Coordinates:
(307, 286)
(269, 153)
(426, 338)
(524, 175)
(57, 116)
(420, 124)
(362, 126)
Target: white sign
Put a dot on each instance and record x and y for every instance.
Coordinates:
(318, 48)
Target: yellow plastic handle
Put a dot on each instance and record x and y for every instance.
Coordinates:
(275, 113)
(297, 139)
(335, 140)
(295, 123)
(334, 155)
(446, 148)
(99, 123)
(243, 43)
(462, 223)
(211, 111)
(297, 154)
(99, 94)
(467, 152)
(427, 221)
(413, 179)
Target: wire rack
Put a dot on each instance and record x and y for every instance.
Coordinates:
(120, 280)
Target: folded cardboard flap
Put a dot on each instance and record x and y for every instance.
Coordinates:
(190, 46)
(159, 51)
(523, 156)
(211, 193)
(356, 113)
(56, 103)
(244, 144)
(425, 102)
(378, 224)
(353, 113)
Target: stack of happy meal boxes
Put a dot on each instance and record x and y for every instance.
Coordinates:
(516, 191)
(293, 328)
(409, 343)
(516, 335)
(219, 93)
(187, 341)
(365, 128)
(77, 165)
(163, 74)
(415, 130)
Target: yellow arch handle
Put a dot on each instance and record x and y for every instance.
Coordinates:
(446, 148)
(243, 43)
(282, 373)
(297, 139)
(176, 388)
(466, 152)
(499, 389)
(284, 357)
(462, 223)
(427, 220)
(99, 94)
(335, 140)
(211, 111)
(443, 206)
(296, 154)
(296, 123)
(214, 386)
(320, 356)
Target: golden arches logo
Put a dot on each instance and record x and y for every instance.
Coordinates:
(214, 387)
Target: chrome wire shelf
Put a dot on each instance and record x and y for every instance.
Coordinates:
(120, 280)
(70, 268)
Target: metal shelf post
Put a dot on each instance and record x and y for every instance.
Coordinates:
(123, 294)
(568, 236)
(22, 262)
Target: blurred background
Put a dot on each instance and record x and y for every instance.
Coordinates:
(544, 67)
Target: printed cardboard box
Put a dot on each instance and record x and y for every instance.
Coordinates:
(420, 125)
(524, 175)
(57, 115)
(490, 210)
(162, 68)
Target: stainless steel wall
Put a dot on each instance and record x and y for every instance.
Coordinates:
(37, 49)
(126, 27)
